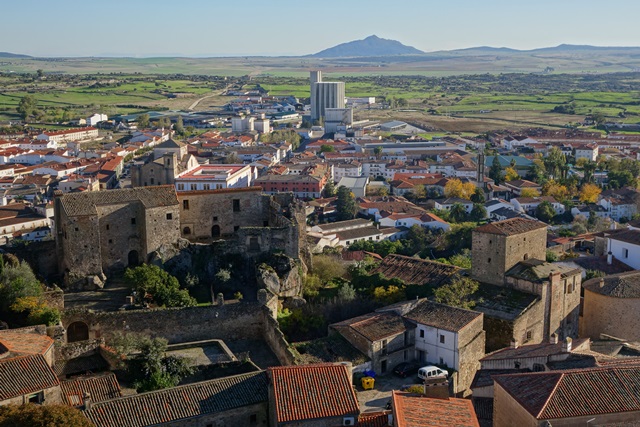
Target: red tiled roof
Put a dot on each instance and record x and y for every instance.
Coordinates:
(579, 393)
(25, 374)
(312, 392)
(100, 388)
(415, 271)
(411, 410)
(375, 419)
(374, 326)
(511, 227)
(25, 343)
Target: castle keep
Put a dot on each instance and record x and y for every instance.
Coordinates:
(101, 232)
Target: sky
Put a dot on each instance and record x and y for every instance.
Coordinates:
(145, 28)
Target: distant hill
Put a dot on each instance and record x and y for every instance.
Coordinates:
(371, 46)
(12, 55)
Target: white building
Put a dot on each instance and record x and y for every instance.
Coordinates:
(529, 205)
(624, 245)
(215, 177)
(340, 170)
(587, 151)
(427, 220)
(357, 185)
(511, 142)
(62, 136)
(242, 124)
(96, 118)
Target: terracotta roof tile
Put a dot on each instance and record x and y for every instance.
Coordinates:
(623, 285)
(374, 326)
(182, 402)
(511, 227)
(441, 316)
(312, 391)
(100, 388)
(411, 410)
(25, 374)
(25, 343)
(415, 271)
(376, 419)
(85, 203)
(579, 393)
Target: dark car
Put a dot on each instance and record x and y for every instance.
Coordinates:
(405, 369)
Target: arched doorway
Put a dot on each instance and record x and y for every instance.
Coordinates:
(133, 259)
(77, 331)
(215, 231)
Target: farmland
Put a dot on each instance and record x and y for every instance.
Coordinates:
(461, 103)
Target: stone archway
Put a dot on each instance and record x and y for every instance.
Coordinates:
(77, 331)
(133, 259)
(215, 231)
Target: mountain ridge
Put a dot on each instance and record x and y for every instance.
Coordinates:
(370, 46)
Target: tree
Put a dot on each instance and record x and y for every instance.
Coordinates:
(389, 295)
(31, 415)
(478, 196)
(27, 106)
(143, 121)
(458, 293)
(326, 148)
(529, 192)
(152, 369)
(458, 212)
(328, 267)
(40, 73)
(555, 190)
(511, 174)
(620, 179)
(545, 212)
(17, 281)
(458, 189)
(346, 292)
(36, 310)
(554, 163)
(231, 159)
(329, 189)
(346, 204)
(478, 213)
(377, 151)
(179, 126)
(153, 284)
(589, 193)
(496, 170)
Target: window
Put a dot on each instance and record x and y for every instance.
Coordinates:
(405, 355)
(529, 334)
(441, 361)
(169, 216)
(76, 228)
(36, 398)
(215, 218)
(207, 186)
(236, 205)
(186, 231)
(441, 340)
(152, 181)
(107, 226)
(625, 253)
(133, 221)
(193, 187)
(180, 186)
(384, 346)
(253, 419)
(236, 227)
(488, 260)
(383, 366)
(185, 205)
(421, 333)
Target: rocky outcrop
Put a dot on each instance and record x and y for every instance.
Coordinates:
(281, 276)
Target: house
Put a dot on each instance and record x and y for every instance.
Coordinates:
(608, 396)
(17, 220)
(419, 330)
(586, 151)
(357, 185)
(620, 203)
(447, 204)
(375, 206)
(215, 177)
(512, 142)
(96, 118)
(622, 244)
(168, 160)
(341, 170)
(58, 137)
(518, 185)
(319, 395)
(410, 410)
(239, 400)
(384, 337)
(427, 220)
(416, 271)
(529, 205)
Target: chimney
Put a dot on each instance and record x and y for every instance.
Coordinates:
(609, 258)
(566, 345)
(601, 282)
(86, 398)
(554, 339)
(514, 344)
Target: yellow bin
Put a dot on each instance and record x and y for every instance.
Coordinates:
(367, 383)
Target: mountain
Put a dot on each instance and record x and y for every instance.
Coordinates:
(371, 46)
(12, 55)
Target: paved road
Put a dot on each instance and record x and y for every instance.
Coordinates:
(381, 393)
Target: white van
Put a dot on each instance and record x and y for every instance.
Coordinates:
(429, 372)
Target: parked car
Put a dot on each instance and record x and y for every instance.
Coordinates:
(429, 372)
(405, 369)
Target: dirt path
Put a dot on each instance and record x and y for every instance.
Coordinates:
(197, 101)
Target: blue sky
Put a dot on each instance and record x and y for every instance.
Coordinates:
(288, 27)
